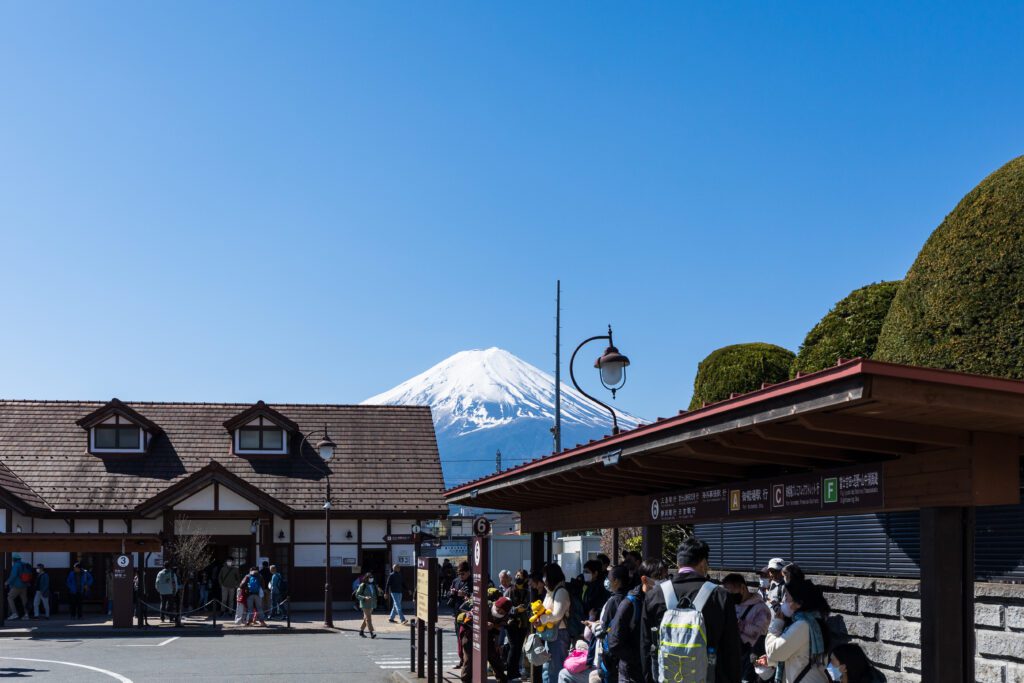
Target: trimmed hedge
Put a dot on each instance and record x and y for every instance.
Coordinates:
(738, 369)
(849, 330)
(961, 306)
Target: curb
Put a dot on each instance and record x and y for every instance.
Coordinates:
(198, 631)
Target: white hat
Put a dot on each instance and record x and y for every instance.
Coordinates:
(776, 563)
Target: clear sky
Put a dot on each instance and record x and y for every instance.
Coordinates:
(315, 201)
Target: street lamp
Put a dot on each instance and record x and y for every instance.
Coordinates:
(612, 367)
(325, 449)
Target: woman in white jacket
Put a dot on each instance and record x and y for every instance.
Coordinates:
(798, 649)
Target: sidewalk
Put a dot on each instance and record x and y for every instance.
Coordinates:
(100, 626)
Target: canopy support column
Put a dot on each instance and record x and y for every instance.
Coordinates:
(653, 543)
(947, 594)
(536, 550)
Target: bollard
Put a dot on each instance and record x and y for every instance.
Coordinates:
(288, 611)
(216, 610)
(438, 656)
(412, 646)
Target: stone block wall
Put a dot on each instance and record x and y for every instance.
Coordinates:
(884, 617)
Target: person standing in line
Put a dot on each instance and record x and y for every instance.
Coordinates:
(167, 586)
(518, 622)
(204, 589)
(719, 614)
(753, 618)
(797, 639)
(557, 603)
(42, 591)
(366, 595)
(228, 578)
(265, 577)
(18, 582)
(776, 590)
(853, 665)
(79, 583)
(276, 592)
(254, 591)
(395, 587)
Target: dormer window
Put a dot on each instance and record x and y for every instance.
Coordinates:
(118, 429)
(260, 430)
(261, 435)
(117, 434)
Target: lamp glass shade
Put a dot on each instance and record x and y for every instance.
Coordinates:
(611, 373)
(326, 449)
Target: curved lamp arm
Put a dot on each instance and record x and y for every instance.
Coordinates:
(572, 376)
(321, 465)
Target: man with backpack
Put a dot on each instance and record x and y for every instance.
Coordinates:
(624, 634)
(167, 586)
(19, 581)
(689, 632)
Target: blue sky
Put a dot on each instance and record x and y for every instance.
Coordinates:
(313, 202)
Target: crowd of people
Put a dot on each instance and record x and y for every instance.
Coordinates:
(642, 621)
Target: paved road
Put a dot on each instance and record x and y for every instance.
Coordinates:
(308, 657)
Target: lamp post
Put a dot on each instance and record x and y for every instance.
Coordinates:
(325, 449)
(612, 367)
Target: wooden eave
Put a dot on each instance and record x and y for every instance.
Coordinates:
(857, 412)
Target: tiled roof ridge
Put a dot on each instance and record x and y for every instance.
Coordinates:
(219, 404)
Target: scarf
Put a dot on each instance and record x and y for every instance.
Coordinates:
(817, 641)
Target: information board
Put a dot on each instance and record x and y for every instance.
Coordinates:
(123, 580)
(834, 491)
(426, 589)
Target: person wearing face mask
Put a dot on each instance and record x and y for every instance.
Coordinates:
(518, 624)
(608, 663)
(719, 612)
(753, 617)
(367, 595)
(852, 665)
(775, 592)
(797, 638)
(497, 616)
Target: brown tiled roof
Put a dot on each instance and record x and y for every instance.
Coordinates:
(386, 458)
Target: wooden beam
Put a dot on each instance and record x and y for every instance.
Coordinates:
(720, 453)
(680, 463)
(793, 433)
(969, 400)
(815, 454)
(856, 425)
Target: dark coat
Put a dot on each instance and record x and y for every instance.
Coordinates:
(594, 596)
(719, 619)
(624, 637)
(395, 583)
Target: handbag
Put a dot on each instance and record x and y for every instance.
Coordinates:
(535, 650)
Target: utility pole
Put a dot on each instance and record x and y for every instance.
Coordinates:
(497, 461)
(557, 430)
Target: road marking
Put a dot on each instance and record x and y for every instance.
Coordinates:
(113, 675)
(169, 640)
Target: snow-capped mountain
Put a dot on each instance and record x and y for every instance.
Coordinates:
(489, 400)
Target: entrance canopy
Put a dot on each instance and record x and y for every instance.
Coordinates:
(931, 438)
(79, 543)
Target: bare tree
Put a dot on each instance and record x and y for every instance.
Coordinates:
(190, 552)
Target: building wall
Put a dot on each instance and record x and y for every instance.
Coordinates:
(883, 616)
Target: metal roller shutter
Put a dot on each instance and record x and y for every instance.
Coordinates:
(904, 532)
(712, 535)
(773, 538)
(999, 543)
(814, 543)
(738, 545)
(862, 544)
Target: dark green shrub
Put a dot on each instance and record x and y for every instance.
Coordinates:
(961, 306)
(738, 369)
(849, 330)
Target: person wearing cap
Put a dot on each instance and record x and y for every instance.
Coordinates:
(18, 581)
(776, 591)
(618, 580)
(723, 635)
(497, 615)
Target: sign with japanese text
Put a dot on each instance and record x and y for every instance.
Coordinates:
(426, 589)
(838, 491)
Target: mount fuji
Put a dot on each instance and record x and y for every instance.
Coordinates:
(489, 400)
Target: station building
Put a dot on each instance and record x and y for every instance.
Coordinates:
(82, 480)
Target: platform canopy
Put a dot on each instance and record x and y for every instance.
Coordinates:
(932, 438)
(79, 543)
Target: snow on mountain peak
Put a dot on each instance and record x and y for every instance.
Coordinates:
(487, 388)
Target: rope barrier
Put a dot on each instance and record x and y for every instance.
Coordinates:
(160, 610)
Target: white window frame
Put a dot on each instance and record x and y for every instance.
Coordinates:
(118, 421)
(260, 422)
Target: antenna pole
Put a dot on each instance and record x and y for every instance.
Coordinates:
(558, 367)
(497, 461)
